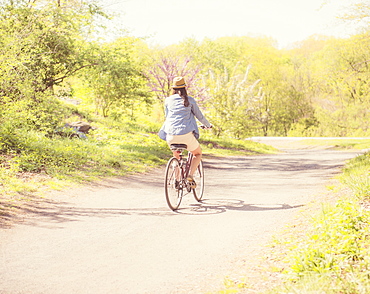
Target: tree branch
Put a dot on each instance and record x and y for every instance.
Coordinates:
(68, 74)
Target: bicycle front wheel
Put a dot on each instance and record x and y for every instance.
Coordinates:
(173, 191)
(199, 180)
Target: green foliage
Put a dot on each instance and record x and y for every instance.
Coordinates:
(340, 143)
(359, 13)
(111, 151)
(339, 238)
(275, 97)
(234, 102)
(305, 127)
(357, 176)
(334, 255)
(114, 147)
(43, 115)
(341, 99)
(318, 88)
(227, 146)
(41, 45)
(116, 80)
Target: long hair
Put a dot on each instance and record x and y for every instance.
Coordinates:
(183, 94)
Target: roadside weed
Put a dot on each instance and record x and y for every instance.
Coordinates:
(356, 176)
(334, 255)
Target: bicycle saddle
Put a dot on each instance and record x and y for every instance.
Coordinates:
(179, 147)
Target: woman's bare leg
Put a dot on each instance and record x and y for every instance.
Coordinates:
(176, 154)
(197, 157)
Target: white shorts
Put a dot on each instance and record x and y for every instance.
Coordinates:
(187, 139)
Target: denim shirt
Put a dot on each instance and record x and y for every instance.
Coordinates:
(180, 120)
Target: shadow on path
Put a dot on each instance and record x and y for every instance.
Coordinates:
(215, 206)
(49, 216)
(294, 168)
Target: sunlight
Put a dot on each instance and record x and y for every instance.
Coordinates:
(167, 22)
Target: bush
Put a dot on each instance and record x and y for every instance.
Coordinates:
(43, 114)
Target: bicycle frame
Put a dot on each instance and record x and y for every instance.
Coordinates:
(185, 169)
(177, 171)
(176, 174)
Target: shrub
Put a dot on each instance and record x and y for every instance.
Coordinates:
(44, 115)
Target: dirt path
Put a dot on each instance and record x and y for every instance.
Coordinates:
(119, 237)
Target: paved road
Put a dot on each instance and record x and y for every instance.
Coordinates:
(119, 237)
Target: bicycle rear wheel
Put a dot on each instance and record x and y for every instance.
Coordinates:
(173, 193)
(199, 180)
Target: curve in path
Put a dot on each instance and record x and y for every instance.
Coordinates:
(118, 236)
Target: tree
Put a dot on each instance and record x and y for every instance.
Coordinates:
(344, 95)
(234, 104)
(358, 13)
(116, 80)
(42, 43)
(166, 67)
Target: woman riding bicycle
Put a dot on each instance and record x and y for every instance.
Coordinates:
(180, 126)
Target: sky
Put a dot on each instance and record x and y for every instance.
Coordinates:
(167, 22)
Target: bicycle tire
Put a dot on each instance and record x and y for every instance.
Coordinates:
(173, 195)
(199, 180)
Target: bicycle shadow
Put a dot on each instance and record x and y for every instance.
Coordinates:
(216, 206)
(51, 214)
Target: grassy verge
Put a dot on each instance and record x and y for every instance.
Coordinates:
(333, 253)
(327, 248)
(32, 162)
(113, 149)
(340, 143)
(231, 147)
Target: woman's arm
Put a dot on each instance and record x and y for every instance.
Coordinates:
(198, 114)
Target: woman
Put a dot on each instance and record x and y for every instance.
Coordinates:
(180, 126)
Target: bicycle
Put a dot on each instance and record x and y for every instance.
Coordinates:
(175, 178)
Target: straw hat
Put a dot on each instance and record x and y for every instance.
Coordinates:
(178, 83)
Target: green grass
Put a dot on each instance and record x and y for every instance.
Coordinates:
(333, 257)
(31, 161)
(231, 147)
(340, 143)
(333, 254)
